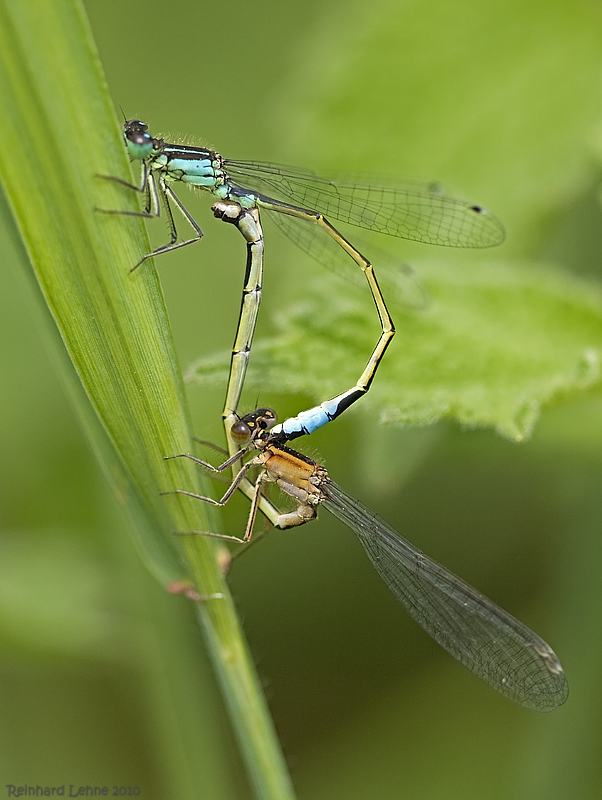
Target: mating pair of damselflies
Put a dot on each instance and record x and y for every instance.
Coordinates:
(293, 198)
(483, 637)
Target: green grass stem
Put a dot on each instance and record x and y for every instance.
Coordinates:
(59, 130)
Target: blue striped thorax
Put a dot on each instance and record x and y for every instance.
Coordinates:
(193, 165)
(196, 166)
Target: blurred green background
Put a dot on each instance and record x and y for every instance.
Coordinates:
(104, 679)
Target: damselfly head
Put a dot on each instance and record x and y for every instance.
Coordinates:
(251, 425)
(140, 144)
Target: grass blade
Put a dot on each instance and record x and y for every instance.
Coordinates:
(58, 131)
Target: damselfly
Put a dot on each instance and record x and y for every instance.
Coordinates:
(411, 210)
(298, 201)
(478, 633)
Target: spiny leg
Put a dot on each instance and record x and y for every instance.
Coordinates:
(156, 195)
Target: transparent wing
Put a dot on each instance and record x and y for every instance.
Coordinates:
(397, 279)
(490, 642)
(411, 210)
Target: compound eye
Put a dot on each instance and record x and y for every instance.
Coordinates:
(240, 432)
